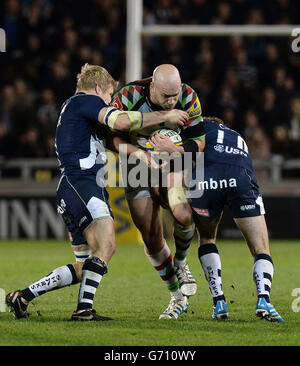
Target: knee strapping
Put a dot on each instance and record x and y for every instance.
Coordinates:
(177, 196)
(184, 232)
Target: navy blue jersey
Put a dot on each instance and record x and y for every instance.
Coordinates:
(79, 149)
(228, 179)
(224, 145)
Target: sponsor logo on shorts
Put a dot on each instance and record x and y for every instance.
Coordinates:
(247, 207)
(61, 208)
(217, 184)
(82, 220)
(202, 211)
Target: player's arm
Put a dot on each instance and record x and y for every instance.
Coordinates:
(125, 100)
(119, 144)
(94, 109)
(193, 130)
(133, 120)
(114, 141)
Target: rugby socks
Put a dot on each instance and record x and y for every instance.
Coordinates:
(183, 236)
(211, 263)
(58, 278)
(92, 273)
(164, 265)
(263, 271)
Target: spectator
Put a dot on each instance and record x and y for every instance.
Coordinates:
(7, 103)
(255, 17)
(61, 82)
(30, 144)
(251, 123)
(47, 113)
(227, 99)
(270, 62)
(259, 144)
(229, 115)
(12, 24)
(260, 149)
(50, 147)
(109, 50)
(283, 145)
(246, 72)
(294, 126)
(6, 144)
(163, 12)
(198, 12)
(223, 15)
(269, 109)
(248, 81)
(23, 113)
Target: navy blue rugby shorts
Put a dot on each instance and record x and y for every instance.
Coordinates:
(230, 185)
(80, 201)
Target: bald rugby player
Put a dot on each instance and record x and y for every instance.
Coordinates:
(164, 91)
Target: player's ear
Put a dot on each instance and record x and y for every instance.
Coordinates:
(151, 86)
(98, 90)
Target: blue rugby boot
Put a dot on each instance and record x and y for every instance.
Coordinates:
(220, 310)
(267, 311)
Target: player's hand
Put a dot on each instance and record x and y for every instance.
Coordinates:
(147, 158)
(163, 143)
(176, 116)
(152, 162)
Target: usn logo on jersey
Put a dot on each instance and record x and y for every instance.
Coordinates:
(229, 150)
(241, 149)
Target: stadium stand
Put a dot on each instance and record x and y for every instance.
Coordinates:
(250, 82)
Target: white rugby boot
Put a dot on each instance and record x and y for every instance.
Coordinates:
(176, 307)
(187, 283)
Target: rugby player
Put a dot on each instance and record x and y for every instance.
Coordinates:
(164, 91)
(229, 180)
(81, 201)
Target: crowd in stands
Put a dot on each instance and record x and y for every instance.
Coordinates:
(252, 83)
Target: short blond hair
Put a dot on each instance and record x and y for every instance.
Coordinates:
(93, 75)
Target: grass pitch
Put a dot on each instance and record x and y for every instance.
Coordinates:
(133, 294)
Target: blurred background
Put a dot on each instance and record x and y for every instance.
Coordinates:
(250, 82)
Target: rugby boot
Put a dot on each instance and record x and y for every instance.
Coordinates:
(187, 283)
(267, 311)
(16, 305)
(175, 308)
(88, 315)
(220, 311)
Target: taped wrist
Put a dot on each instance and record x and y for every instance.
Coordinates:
(136, 119)
(177, 196)
(140, 154)
(111, 116)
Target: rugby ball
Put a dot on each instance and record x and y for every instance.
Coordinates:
(173, 135)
